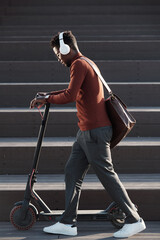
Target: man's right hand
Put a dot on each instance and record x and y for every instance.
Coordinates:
(37, 101)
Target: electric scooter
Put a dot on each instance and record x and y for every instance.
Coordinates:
(24, 214)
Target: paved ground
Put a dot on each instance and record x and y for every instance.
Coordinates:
(86, 230)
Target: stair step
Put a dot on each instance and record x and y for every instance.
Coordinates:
(20, 94)
(63, 122)
(80, 9)
(55, 182)
(78, 2)
(51, 190)
(116, 50)
(88, 38)
(132, 155)
(82, 32)
(53, 71)
(68, 141)
(81, 18)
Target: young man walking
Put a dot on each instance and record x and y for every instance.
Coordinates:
(92, 145)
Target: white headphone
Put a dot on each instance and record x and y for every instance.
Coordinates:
(64, 48)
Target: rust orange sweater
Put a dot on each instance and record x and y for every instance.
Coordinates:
(87, 91)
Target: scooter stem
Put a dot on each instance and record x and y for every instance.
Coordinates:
(40, 137)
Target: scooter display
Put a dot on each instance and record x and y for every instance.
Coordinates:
(24, 213)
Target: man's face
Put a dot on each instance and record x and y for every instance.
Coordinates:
(64, 59)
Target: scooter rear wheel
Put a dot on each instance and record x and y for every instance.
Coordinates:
(117, 217)
(22, 224)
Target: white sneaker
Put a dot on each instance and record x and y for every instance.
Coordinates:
(60, 228)
(131, 229)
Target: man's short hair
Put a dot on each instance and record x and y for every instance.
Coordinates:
(68, 38)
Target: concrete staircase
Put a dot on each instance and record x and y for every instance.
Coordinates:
(123, 38)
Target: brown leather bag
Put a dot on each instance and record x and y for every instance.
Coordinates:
(122, 121)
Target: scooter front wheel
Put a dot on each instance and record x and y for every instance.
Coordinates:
(18, 222)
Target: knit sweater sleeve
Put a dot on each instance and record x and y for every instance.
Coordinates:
(77, 75)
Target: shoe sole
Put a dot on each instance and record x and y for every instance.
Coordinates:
(58, 233)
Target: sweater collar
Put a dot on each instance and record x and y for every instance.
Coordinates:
(78, 55)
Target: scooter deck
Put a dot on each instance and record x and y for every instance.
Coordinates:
(82, 214)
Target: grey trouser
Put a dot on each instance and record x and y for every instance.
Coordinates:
(92, 147)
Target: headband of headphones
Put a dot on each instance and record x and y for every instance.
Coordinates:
(64, 48)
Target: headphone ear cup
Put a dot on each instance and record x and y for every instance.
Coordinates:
(64, 49)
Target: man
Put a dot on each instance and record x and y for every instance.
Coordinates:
(92, 145)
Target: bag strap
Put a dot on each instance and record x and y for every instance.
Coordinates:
(99, 74)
